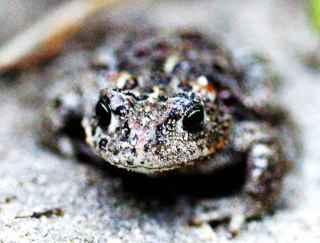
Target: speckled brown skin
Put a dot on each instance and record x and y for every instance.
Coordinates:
(151, 102)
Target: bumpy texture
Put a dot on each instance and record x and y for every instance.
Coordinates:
(166, 100)
(157, 83)
(151, 102)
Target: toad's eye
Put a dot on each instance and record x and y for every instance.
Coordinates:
(193, 119)
(103, 113)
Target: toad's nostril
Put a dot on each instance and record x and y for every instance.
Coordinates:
(102, 144)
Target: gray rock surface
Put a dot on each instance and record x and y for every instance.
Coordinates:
(84, 203)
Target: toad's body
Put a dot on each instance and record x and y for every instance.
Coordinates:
(151, 103)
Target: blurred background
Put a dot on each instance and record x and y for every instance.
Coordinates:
(88, 205)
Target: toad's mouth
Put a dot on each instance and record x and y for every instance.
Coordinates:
(145, 169)
(145, 163)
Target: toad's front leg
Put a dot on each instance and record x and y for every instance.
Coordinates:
(266, 166)
(62, 130)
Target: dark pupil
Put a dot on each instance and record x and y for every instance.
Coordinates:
(193, 120)
(103, 113)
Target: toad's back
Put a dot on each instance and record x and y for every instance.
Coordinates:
(187, 61)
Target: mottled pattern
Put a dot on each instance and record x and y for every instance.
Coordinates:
(152, 80)
(149, 82)
(152, 102)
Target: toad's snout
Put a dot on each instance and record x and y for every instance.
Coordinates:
(141, 138)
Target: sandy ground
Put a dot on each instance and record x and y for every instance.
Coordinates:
(94, 205)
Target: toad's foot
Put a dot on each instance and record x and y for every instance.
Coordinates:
(230, 211)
